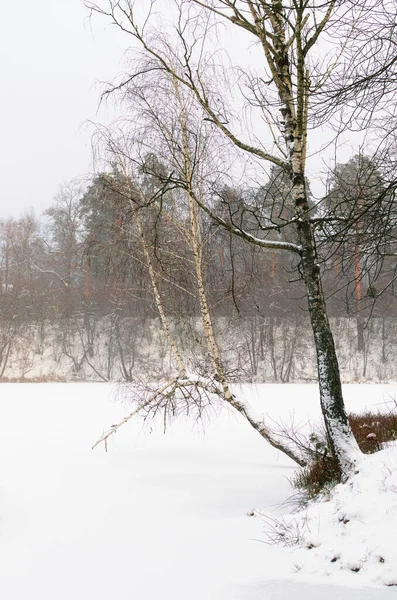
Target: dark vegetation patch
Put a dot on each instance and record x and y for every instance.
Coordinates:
(371, 430)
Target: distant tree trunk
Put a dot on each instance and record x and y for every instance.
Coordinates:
(384, 340)
(360, 334)
(357, 268)
(88, 279)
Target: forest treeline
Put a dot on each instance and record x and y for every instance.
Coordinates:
(75, 288)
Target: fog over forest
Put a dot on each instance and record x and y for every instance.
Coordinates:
(202, 231)
(77, 301)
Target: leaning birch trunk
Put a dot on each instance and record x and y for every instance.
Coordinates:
(153, 281)
(183, 380)
(157, 299)
(213, 349)
(213, 346)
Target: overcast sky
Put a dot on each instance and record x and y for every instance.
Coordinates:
(52, 60)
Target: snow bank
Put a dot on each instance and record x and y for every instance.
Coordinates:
(164, 517)
(350, 536)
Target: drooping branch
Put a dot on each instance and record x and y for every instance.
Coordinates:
(187, 77)
(209, 388)
(245, 235)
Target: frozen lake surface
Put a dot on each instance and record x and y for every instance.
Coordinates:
(158, 515)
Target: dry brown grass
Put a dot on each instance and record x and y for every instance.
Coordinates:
(371, 430)
(320, 475)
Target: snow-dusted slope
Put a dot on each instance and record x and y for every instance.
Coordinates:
(265, 349)
(351, 537)
(157, 516)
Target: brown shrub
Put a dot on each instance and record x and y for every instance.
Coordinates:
(321, 474)
(371, 430)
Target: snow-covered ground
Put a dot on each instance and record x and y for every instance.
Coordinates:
(158, 515)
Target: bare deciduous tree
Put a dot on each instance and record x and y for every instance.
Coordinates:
(288, 35)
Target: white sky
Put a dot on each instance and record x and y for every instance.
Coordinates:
(51, 63)
(52, 60)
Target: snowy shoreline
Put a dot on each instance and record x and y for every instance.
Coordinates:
(158, 515)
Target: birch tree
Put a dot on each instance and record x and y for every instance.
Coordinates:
(287, 35)
(184, 148)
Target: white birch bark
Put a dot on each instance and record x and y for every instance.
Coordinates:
(196, 244)
(294, 110)
(153, 281)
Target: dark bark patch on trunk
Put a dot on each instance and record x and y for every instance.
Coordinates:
(298, 179)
